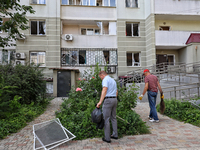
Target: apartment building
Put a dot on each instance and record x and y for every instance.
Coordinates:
(68, 36)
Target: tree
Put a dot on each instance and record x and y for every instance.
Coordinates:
(17, 20)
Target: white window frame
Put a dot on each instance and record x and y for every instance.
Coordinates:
(38, 27)
(93, 31)
(38, 2)
(41, 64)
(132, 29)
(132, 3)
(133, 60)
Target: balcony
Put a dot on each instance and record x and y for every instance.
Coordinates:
(178, 7)
(79, 12)
(171, 39)
(90, 41)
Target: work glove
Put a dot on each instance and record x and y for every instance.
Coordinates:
(140, 97)
(162, 95)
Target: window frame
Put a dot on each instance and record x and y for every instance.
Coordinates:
(131, 6)
(132, 29)
(38, 2)
(38, 27)
(38, 58)
(94, 29)
(133, 60)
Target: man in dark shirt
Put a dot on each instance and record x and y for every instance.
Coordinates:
(151, 86)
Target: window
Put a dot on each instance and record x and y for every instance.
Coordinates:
(109, 3)
(1, 24)
(38, 27)
(38, 1)
(90, 31)
(133, 59)
(7, 57)
(166, 28)
(132, 29)
(38, 58)
(68, 2)
(132, 3)
(74, 57)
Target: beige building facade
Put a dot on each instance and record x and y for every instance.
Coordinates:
(123, 35)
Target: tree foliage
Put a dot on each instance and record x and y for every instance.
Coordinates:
(17, 20)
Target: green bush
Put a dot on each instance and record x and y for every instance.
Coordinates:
(182, 111)
(29, 82)
(75, 113)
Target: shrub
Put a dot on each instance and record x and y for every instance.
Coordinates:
(75, 113)
(182, 111)
(29, 82)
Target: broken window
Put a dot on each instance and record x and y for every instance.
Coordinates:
(106, 56)
(132, 29)
(166, 28)
(37, 58)
(133, 59)
(90, 31)
(38, 1)
(132, 3)
(82, 57)
(38, 27)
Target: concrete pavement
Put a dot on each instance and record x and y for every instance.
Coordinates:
(168, 134)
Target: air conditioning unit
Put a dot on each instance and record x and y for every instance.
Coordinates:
(68, 37)
(111, 70)
(23, 37)
(19, 62)
(20, 55)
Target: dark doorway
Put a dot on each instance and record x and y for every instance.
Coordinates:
(63, 83)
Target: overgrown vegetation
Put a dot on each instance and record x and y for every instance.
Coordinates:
(182, 111)
(75, 113)
(22, 96)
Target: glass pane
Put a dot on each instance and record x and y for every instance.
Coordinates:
(82, 57)
(42, 27)
(129, 59)
(128, 3)
(83, 31)
(85, 2)
(33, 27)
(136, 57)
(34, 58)
(70, 2)
(41, 58)
(64, 2)
(106, 56)
(74, 57)
(41, 1)
(106, 3)
(128, 30)
(135, 30)
(112, 3)
(92, 3)
(97, 32)
(34, 1)
(89, 31)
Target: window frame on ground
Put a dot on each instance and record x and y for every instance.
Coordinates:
(133, 59)
(40, 2)
(90, 31)
(131, 3)
(37, 60)
(132, 29)
(37, 27)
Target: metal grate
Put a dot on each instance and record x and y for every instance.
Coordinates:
(88, 57)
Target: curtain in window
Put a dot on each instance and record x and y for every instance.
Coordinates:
(128, 3)
(92, 2)
(41, 1)
(41, 58)
(42, 27)
(106, 2)
(64, 2)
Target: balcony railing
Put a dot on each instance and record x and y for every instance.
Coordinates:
(82, 57)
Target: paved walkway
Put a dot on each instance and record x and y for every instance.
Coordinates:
(168, 134)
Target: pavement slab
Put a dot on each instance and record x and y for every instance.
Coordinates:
(168, 134)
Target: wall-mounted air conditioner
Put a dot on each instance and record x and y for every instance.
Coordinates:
(20, 55)
(111, 70)
(68, 37)
(23, 37)
(19, 62)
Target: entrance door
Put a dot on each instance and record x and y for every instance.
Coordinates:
(63, 83)
(161, 59)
